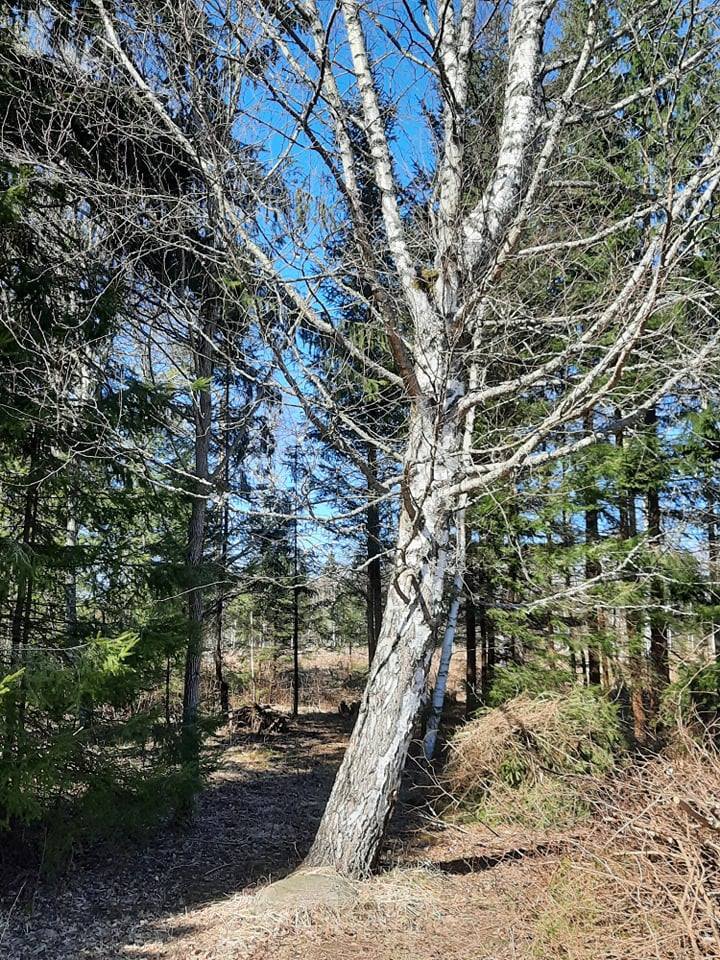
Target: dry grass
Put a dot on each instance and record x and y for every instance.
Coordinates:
(523, 762)
(390, 911)
(642, 881)
(640, 884)
(326, 678)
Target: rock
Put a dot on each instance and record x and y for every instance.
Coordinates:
(306, 889)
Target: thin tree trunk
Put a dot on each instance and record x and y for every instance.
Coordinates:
(659, 641)
(202, 407)
(472, 700)
(628, 633)
(221, 683)
(167, 692)
(567, 541)
(19, 622)
(296, 605)
(22, 609)
(440, 689)
(252, 658)
(438, 698)
(713, 565)
(487, 633)
(196, 616)
(592, 570)
(85, 707)
(374, 570)
(605, 668)
(515, 652)
(583, 667)
(296, 640)
(71, 541)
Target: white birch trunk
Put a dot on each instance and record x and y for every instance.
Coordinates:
(368, 781)
(438, 698)
(366, 786)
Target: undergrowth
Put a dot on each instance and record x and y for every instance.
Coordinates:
(639, 876)
(523, 762)
(79, 763)
(644, 881)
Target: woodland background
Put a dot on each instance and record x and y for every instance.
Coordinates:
(200, 486)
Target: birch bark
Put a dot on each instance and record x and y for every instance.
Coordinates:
(367, 783)
(446, 652)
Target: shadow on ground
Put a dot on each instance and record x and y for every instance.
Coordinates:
(254, 822)
(461, 866)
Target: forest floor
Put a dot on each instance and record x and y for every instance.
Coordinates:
(443, 890)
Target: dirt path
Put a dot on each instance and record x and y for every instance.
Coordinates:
(455, 892)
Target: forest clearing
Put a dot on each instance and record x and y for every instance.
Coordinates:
(446, 885)
(360, 479)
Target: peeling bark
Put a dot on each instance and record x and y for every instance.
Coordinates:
(367, 783)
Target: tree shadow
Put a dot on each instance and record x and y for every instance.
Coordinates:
(254, 822)
(461, 866)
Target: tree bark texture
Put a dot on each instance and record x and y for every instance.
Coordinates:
(374, 571)
(367, 783)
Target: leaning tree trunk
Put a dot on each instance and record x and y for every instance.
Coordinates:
(366, 786)
(367, 783)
